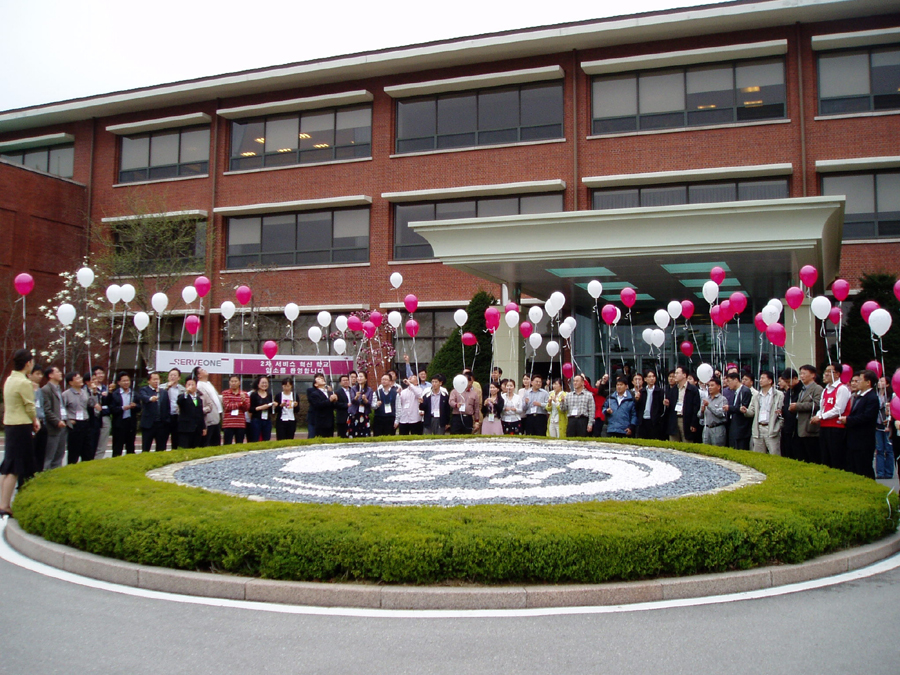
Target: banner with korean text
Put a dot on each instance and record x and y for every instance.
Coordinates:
(253, 364)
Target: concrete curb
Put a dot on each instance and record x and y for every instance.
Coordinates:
(374, 596)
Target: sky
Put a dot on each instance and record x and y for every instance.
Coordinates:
(54, 50)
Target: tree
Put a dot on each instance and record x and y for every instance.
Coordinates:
(856, 338)
(449, 358)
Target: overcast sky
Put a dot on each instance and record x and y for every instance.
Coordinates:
(53, 50)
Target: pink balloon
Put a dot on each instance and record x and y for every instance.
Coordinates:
(411, 303)
(270, 349)
(776, 334)
(717, 274)
(726, 311)
(841, 289)
(567, 370)
(687, 309)
(369, 329)
(895, 384)
(354, 323)
(526, 329)
(202, 286)
(376, 318)
(628, 296)
(608, 312)
(846, 374)
(867, 308)
(808, 275)
(896, 289)
(24, 283)
(738, 302)
(492, 319)
(759, 322)
(895, 408)
(875, 367)
(511, 307)
(687, 349)
(412, 328)
(192, 324)
(243, 294)
(469, 339)
(834, 316)
(794, 297)
(716, 314)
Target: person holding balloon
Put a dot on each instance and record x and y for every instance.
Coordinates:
(579, 408)
(214, 416)
(715, 418)
(834, 404)
(361, 407)
(884, 450)
(492, 412)
(650, 409)
(236, 404)
(262, 406)
(512, 409)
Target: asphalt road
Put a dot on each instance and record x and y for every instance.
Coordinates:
(48, 625)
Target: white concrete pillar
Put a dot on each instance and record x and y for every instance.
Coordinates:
(508, 351)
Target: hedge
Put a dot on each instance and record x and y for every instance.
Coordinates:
(113, 509)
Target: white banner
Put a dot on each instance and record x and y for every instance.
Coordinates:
(253, 364)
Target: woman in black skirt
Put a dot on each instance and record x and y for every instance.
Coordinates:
(361, 396)
(19, 420)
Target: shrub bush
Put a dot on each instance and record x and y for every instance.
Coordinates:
(113, 509)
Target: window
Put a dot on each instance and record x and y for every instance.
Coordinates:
(686, 97)
(159, 245)
(165, 154)
(695, 193)
(305, 238)
(531, 112)
(873, 203)
(56, 159)
(310, 137)
(409, 245)
(434, 330)
(859, 81)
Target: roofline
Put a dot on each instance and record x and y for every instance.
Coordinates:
(590, 34)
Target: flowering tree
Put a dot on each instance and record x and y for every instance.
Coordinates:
(371, 355)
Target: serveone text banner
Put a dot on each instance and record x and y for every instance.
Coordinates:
(253, 364)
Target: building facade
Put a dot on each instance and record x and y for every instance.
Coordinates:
(637, 150)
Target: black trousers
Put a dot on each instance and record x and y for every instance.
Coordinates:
(172, 431)
(833, 447)
(597, 431)
(191, 439)
(324, 431)
(576, 427)
(123, 436)
(741, 443)
(647, 429)
(536, 425)
(213, 435)
(342, 429)
(40, 447)
(159, 433)
(285, 430)
(811, 451)
(382, 425)
(461, 424)
(234, 435)
(414, 429)
(78, 442)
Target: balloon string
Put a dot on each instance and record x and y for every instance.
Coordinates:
(24, 324)
(137, 355)
(112, 336)
(740, 354)
(121, 336)
(689, 325)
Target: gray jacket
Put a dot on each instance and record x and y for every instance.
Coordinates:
(808, 401)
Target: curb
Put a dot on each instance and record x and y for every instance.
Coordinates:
(374, 596)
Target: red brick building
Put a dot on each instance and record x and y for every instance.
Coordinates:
(731, 118)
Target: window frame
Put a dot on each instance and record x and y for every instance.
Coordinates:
(18, 157)
(687, 113)
(686, 186)
(877, 220)
(181, 168)
(869, 98)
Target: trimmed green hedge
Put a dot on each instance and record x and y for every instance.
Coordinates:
(113, 509)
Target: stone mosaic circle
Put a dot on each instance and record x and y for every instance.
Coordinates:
(462, 472)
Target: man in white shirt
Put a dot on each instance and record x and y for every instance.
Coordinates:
(211, 396)
(408, 408)
(765, 411)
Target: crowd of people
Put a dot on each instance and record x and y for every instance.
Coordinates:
(71, 416)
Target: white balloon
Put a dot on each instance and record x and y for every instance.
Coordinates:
(340, 346)
(85, 276)
(535, 314)
(565, 331)
(394, 318)
(113, 293)
(821, 306)
(777, 304)
(648, 336)
(661, 318)
(710, 291)
(559, 300)
(341, 323)
(552, 348)
(659, 337)
(65, 313)
(324, 319)
(127, 293)
(674, 309)
(314, 333)
(535, 340)
(460, 317)
(188, 294)
(595, 289)
(618, 316)
(770, 314)
(570, 321)
(396, 279)
(704, 372)
(879, 321)
(512, 319)
(460, 382)
(291, 311)
(551, 309)
(159, 301)
(141, 320)
(228, 309)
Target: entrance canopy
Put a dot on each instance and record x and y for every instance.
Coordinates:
(665, 253)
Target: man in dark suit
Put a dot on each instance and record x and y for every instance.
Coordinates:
(192, 411)
(154, 415)
(740, 427)
(123, 408)
(436, 407)
(321, 408)
(650, 417)
(342, 405)
(861, 424)
(682, 403)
